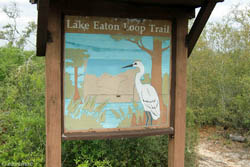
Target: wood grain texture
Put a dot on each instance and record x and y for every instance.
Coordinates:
(115, 134)
(53, 89)
(43, 11)
(177, 142)
(173, 75)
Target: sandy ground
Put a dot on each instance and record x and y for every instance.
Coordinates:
(215, 151)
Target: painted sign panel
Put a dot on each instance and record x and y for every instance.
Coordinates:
(116, 74)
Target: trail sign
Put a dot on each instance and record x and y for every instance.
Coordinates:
(117, 69)
(102, 97)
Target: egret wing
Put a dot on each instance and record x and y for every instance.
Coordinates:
(150, 100)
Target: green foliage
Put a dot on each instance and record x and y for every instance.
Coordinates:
(12, 58)
(191, 139)
(219, 73)
(147, 151)
(22, 108)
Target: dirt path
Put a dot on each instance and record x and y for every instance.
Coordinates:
(215, 151)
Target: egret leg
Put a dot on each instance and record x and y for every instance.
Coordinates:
(147, 118)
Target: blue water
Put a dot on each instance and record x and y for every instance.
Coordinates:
(111, 121)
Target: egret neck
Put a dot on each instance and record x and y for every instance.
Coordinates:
(138, 76)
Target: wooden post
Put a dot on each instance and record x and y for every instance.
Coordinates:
(53, 89)
(177, 141)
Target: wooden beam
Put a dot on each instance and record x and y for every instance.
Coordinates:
(107, 8)
(177, 141)
(190, 3)
(42, 27)
(113, 135)
(200, 23)
(173, 75)
(53, 89)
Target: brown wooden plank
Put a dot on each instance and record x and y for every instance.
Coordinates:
(200, 23)
(191, 3)
(53, 90)
(173, 74)
(177, 142)
(109, 135)
(62, 72)
(107, 8)
(43, 10)
(120, 130)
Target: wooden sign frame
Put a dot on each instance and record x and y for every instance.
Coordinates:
(119, 132)
(54, 88)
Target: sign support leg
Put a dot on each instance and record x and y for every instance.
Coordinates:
(53, 90)
(176, 146)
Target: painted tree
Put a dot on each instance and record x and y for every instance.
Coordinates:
(156, 56)
(68, 87)
(76, 58)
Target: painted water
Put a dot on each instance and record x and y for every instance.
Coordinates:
(111, 121)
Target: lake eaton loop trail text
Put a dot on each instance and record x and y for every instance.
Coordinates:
(79, 24)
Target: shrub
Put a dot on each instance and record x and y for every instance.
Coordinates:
(22, 123)
(22, 126)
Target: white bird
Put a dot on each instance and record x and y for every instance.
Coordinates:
(147, 94)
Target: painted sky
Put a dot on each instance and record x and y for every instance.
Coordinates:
(109, 56)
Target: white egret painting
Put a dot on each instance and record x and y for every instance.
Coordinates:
(115, 80)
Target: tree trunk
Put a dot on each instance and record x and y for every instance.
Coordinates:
(156, 78)
(76, 95)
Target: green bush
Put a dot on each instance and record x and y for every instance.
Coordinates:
(145, 151)
(218, 89)
(219, 73)
(191, 139)
(22, 125)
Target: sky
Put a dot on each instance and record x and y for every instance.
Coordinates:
(29, 12)
(223, 8)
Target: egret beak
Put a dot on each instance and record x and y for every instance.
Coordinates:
(131, 65)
